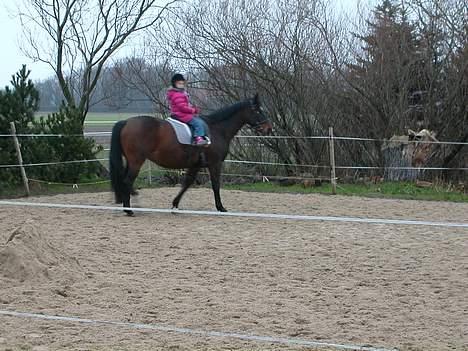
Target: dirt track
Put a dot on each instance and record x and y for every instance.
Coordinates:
(361, 284)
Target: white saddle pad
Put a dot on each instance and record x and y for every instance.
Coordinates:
(182, 130)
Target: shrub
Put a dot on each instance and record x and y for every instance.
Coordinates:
(19, 105)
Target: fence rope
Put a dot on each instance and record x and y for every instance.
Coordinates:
(264, 178)
(405, 168)
(53, 163)
(260, 176)
(346, 167)
(68, 184)
(45, 135)
(275, 164)
(252, 162)
(285, 137)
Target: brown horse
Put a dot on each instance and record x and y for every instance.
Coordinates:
(145, 137)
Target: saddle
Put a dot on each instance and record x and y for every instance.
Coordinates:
(183, 132)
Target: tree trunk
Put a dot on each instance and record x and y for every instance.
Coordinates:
(398, 155)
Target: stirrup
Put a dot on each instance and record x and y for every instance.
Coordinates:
(200, 142)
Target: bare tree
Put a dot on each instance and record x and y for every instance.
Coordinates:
(139, 78)
(409, 69)
(78, 37)
(312, 71)
(233, 49)
(444, 32)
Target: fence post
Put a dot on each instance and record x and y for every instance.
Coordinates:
(20, 158)
(150, 174)
(332, 161)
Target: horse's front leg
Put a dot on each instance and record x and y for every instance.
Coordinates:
(215, 174)
(189, 179)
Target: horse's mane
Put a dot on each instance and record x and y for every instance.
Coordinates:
(226, 112)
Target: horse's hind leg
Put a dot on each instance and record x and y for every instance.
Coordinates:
(133, 168)
(189, 179)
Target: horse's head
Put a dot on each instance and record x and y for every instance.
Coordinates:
(256, 118)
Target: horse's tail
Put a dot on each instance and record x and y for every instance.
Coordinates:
(116, 167)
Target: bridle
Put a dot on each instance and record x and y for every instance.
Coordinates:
(258, 123)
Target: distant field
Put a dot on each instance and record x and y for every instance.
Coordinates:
(103, 118)
(109, 117)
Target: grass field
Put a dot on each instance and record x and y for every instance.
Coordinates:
(103, 118)
(394, 190)
(108, 117)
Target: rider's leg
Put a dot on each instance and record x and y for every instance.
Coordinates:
(198, 128)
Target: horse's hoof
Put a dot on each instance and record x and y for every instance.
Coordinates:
(129, 213)
(222, 209)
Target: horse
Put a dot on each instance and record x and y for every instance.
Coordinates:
(146, 137)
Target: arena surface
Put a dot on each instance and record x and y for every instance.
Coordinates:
(388, 286)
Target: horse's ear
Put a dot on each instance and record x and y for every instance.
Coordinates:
(256, 100)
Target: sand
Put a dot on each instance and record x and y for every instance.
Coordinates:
(390, 286)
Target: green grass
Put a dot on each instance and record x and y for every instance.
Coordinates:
(392, 190)
(408, 191)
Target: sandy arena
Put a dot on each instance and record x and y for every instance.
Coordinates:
(388, 286)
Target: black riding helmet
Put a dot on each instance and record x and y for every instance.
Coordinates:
(176, 78)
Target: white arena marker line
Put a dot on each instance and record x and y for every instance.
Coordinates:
(212, 334)
(243, 214)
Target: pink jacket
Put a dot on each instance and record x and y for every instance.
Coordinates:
(180, 105)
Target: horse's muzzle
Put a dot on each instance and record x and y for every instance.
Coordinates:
(264, 128)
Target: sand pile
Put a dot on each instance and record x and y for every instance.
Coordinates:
(26, 255)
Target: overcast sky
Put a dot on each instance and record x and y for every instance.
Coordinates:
(11, 57)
